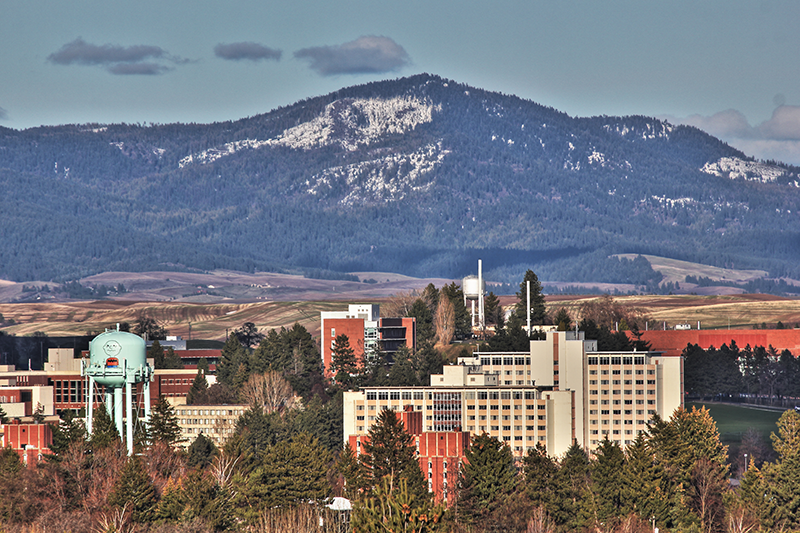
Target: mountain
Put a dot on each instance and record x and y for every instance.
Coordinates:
(418, 175)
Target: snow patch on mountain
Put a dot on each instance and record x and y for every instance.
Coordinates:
(385, 179)
(736, 168)
(350, 123)
(648, 131)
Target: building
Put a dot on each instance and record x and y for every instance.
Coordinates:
(216, 422)
(673, 342)
(560, 391)
(366, 331)
(30, 441)
(440, 453)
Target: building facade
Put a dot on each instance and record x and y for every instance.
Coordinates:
(366, 331)
(560, 391)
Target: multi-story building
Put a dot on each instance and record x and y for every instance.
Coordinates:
(560, 391)
(216, 422)
(672, 342)
(366, 331)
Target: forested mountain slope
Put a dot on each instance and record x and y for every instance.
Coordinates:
(419, 175)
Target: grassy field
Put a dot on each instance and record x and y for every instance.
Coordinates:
(733, 420)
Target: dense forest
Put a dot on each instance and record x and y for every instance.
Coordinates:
(419, 175)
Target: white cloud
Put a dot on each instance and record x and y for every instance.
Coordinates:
(777, 138)
(365, 55)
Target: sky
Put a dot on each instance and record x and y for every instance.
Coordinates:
(730, 67)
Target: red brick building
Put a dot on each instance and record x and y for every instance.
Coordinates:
(440, 453)
(673, 342)
(30, 441)
(365, 331)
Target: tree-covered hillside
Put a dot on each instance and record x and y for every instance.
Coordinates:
(419, 175)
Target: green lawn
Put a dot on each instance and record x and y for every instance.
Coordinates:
(733, 420)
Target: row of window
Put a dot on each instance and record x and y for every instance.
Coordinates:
(594, 360)
(496, 361)
(445, 396)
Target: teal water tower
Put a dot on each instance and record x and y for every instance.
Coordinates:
(118, 359)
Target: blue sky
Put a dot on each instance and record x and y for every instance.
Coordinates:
(731, 67)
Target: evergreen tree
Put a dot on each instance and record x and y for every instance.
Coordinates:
(487, 478)
(248, 335)
(172, 503)
(641, 483)
(394, 508)
(402, 373)
(606, 470)
(752, 494)
(353, 473)
(538, 310)
(3, 416)
(156, 353)
(391, 452)
(134, 489)
(540, 478)
(783, 477)
(68, 431)
(492, 310)
(290, 473)
(172, 360)
(202, 365)
(572, 488)
(232, 359)
(198, 389)
(201, 452)
(104, 432)
(462, 320)
(164, 425)
(424, 316)
(343, 361)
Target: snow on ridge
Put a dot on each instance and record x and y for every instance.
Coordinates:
(351, 123)
(389, 178)
(737, 168)
(672, 202)
(654, 130)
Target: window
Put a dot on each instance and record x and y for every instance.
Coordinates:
(372, 395)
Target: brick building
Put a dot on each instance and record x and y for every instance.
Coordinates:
(673, 342)
(440, 453)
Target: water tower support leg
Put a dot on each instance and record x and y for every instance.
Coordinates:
(130, 409)
(90, 406)
(118, 412)
(146, 393)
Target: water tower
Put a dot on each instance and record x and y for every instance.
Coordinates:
(474, 289)
(118, 359)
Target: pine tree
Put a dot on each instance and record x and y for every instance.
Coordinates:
(487, 479)
(156, 353)
(394, 508)
(232, 358)
(391, 452)
(641, 483)
(606, 470)
(104, 432)
(68, 431)
(290, 473)
(201, 452)
(752, 494)
(783, 477)
(163, 425)
(352, 471)
(538, 309)
(134, 489)
(198, 389)
(3, 416)
(424, 316)
(172, 360)
(540, 478)
(572, 487)
(172, 504)
(343, 361)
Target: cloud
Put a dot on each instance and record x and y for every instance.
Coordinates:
(149, 69)
(245, 50)
(137, 59)
(777, 138)
(366, 55)
(3, 114)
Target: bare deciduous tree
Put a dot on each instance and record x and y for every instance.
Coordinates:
(400, 304)
(445, 322)
(269, 391)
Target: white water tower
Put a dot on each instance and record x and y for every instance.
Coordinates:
(474, 288)
(118, 359)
